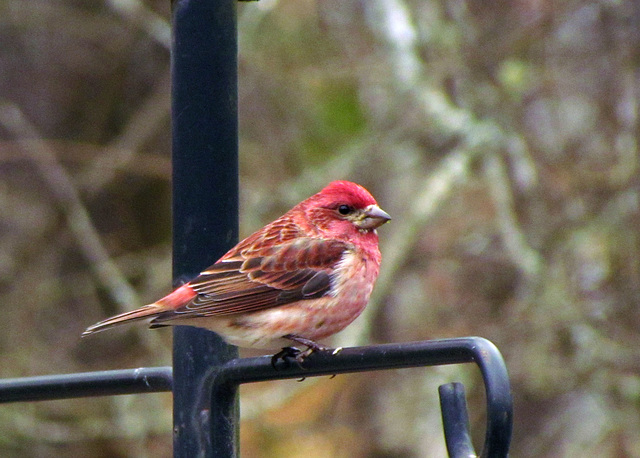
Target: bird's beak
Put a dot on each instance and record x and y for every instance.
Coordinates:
(373, 217)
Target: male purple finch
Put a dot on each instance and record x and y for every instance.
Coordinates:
(302, 278)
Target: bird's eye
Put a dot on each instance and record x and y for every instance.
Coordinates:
(344, 209)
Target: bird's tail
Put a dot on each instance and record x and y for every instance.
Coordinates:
(171, 302)
(148, 311)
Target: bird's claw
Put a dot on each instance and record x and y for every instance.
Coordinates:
(293, 355)
(289, 355)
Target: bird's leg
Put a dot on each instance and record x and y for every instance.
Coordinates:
(310, 344)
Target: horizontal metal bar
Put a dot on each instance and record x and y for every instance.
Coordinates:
(223, 380)
(86, 384)
(366, 358)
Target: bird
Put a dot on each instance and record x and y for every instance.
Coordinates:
(300, 279)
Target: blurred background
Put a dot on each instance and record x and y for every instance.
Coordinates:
(501, 136)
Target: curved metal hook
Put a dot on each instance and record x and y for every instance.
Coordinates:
(455, 420)
(499, 405)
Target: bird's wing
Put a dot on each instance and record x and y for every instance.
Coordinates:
(262, 276)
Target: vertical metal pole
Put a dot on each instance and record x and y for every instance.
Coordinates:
(205, 200)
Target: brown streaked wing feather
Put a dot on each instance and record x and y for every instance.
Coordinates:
(281, 231)
(290, 272)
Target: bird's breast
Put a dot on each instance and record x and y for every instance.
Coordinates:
(354, 275)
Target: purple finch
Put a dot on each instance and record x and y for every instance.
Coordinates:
(304, 277)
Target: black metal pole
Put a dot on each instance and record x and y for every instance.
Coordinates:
(205, 196)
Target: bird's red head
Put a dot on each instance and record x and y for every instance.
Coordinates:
(344, 209)
(346, 190)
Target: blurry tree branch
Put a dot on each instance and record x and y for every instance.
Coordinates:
(136, 12)
(142, 125)
(68, 198)
(521, 253)
(476, 137)
(143, 164)
(138, 164)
